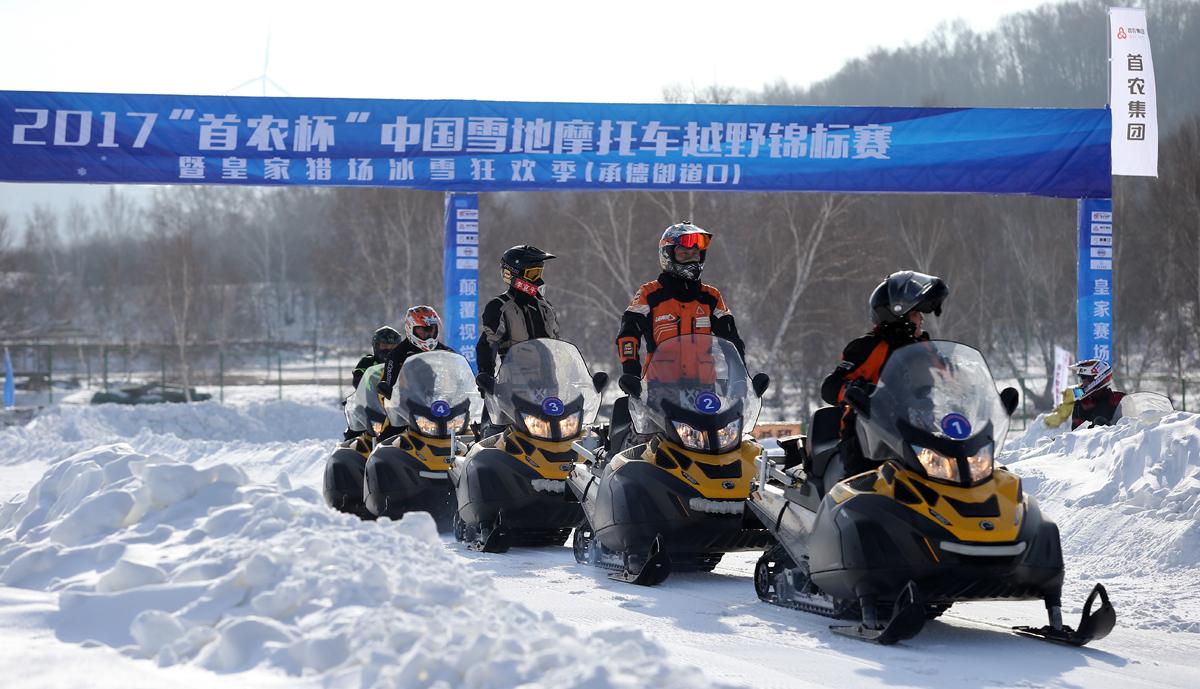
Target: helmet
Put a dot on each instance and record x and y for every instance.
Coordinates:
(1094, 374)
(683, 234)
(422, 317)
(906, 291)
(522, 266)
(386, 335)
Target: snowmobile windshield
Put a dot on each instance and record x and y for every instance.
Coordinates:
(909, 290)
(363, 407)
(1134, 404)
(434, 395)
(544, 389)
(695, 391)
(936, 404)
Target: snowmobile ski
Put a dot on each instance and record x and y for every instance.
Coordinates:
(653, 571)
(908, 618)
(1092, 626)
(481, 538)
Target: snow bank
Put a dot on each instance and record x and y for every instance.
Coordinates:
(164, 560)
(1127, 502)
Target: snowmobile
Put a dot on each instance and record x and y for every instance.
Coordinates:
(1138, 404)
(431, 405)
(936, 523)
(676, 502)
(511, 486)
(343, 487)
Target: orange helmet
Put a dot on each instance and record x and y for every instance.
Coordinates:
(422, 317)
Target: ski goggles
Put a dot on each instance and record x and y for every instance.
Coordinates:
(388, 338)
(693, 240)
(533, 273)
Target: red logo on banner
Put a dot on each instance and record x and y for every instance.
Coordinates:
(1121, 32)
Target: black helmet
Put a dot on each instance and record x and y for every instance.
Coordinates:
(387, 335)
(906, 291)
(525, 262)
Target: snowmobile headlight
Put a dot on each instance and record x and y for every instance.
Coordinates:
(426, 426)
(692, 438)
(730, 436)
(568, 426)
(377, 427)
(937, 465)
(458, 424)
(537, 426)
(979, 465)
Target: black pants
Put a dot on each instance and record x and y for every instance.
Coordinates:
(850, 451)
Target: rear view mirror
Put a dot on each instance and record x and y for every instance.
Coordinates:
(1010, 398)
(630, 384)
(599, 381)
(760, 382)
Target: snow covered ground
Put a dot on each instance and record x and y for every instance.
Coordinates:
(187, 545)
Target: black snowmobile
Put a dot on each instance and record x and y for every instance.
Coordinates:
(344, 470)
(511, 486)
(936, 523)
(432, 406)
(676, 502)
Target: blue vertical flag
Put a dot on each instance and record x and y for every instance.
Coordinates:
(10, 393)
(1095, 289)
(460, 274)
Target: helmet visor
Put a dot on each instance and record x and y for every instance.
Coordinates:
(387, 337)
(532, 273)
(695, 240)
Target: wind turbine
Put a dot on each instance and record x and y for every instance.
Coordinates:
(262, 78)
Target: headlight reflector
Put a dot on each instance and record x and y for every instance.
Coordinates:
(427, 427)
(537, 427)
(568, 426)
(937, 465)
(980, 464)
(692, 438)
(730, 436)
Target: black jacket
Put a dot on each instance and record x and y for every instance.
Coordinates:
(361, 367)
(396, 359)
(508, 319)
(1101, 405)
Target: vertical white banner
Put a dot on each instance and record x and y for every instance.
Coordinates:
(1132, 94)
(1062, 373)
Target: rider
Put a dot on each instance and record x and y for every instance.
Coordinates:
(1093, 400)
(521, 312)
(676, 303)
(383, 342)
(898, 307)
(422, 325)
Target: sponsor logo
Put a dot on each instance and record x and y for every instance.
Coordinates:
(986, 525)
(727, 485)
(1121, 33)
(665, 317)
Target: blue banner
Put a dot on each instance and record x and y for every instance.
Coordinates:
(512, 146)
(10, 396)
(1095, 289)
(460, 274)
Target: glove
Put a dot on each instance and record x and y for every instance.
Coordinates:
(861, 384)
(1064, 410)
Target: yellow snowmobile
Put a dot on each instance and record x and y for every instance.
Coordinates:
(511, 486)
(936, 523)
(433, 402)
(343, 485)
(678, 501)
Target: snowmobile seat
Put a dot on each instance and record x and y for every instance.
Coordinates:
(822, 442)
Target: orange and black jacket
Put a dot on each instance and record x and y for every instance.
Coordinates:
(671, 306)
(863, 359)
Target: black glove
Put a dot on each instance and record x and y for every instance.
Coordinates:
(632, 367)
(861, 384)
